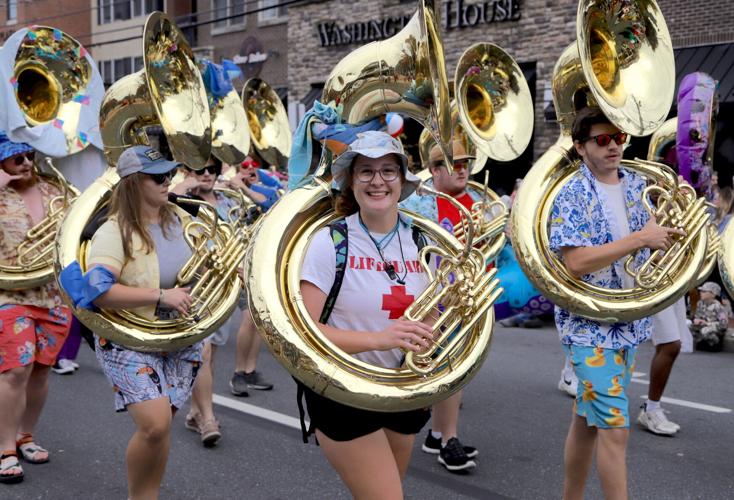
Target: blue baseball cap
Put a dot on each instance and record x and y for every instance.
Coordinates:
(9, 148)
(143, 159)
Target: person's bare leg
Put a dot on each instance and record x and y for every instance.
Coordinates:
(202, 393)
(611, 462)
(578, 454)
(445, 417)
(402, 449)
(366, 465)
(660, 368)
(248, 345)
(36, 393)
(13, 391)
(147, 450)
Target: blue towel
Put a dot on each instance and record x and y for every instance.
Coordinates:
(84, 289)
(301, 151)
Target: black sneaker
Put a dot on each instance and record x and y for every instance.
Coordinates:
(454, 458)
(238, 384)
(256, 383)
(432, 445)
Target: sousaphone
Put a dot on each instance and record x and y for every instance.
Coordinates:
(623, 62)
(168, 93)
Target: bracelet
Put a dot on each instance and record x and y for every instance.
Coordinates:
(160, 298)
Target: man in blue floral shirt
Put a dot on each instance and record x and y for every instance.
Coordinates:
(598, 220)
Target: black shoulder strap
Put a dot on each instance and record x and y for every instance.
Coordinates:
(420, 240)
(339, 235)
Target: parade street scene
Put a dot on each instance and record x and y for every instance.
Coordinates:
(269, 249)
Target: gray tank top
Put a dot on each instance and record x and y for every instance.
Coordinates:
(172, 254)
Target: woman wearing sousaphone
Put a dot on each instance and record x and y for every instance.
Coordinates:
(133, 262)
(380, 277)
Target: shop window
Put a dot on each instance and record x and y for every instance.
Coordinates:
(272, 10)
(229, 12)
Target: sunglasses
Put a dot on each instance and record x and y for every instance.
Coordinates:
(250, 164)
(162, 178)
(212, 169)
(19, 159)
(604, 139)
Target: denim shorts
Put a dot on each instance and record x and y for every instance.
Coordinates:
(604, 375)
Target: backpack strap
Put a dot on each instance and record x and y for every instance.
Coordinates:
(339, 235)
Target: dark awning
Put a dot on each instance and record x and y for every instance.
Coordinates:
(313, 95)
(716, 60)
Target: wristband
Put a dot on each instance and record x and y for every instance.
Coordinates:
(160, 298)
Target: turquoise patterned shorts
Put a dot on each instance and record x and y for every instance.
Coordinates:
(604, 375)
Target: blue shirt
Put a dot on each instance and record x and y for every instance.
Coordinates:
(581, 217)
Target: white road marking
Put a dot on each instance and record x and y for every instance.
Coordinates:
(638, 374)
(637, 380)
(256, 411)
(691, 404)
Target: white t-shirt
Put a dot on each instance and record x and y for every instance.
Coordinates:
(615, 197)
(368, 299)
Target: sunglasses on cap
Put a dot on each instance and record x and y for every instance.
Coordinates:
(162, 178)
(214, 170)
(604, 139)
(19, 159)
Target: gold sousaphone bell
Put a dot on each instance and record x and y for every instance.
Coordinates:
(623, 62)
(404, 74)
(168, 92)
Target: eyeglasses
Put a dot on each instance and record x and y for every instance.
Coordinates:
(214, 170)
(388, 174)
(161, 179)
(19, 159)
(604, 139)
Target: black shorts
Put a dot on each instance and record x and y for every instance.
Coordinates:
(344, 423)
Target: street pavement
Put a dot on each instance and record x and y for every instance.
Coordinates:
(512, 411)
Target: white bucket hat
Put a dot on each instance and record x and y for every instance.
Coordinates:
(373, 144)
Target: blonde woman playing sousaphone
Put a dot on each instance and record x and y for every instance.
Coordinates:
(360, 310)
(133, 262)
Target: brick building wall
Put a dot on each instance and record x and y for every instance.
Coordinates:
(544, 29)
(70, 16)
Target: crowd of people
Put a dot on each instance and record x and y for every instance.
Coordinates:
(134, 259)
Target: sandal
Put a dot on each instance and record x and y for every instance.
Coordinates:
(29, 450)
(10, 470)
(210, 434)
(192, 422)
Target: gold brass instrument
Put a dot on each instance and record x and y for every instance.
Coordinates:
(268, 122)
(273, 267)
(46, 88)
(623, 62)
(230, 133)
(404, 74)
(34, 265)
(279, 241)
(168, 92)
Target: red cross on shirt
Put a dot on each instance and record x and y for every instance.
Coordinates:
(397, 301)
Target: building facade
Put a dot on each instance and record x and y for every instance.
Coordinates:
(70, 16)
(533, 32)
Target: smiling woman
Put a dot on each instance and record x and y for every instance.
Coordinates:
(378, 275)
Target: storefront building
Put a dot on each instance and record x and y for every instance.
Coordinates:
(533, 32)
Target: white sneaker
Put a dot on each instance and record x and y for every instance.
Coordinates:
(63, 367)
(655, 422)
(673, 424)
(568, 383)
(74, 364)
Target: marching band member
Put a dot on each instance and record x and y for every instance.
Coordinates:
(200, 184)
(442, 438)
(598, 219)
(136, 256)
(370, 450)
(34, 323)
(262, 188)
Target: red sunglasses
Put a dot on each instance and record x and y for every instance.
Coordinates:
(604, 139)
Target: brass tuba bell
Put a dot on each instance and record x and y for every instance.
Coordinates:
(281, 237)
(169, 93)
(268, 122)
(622, 61)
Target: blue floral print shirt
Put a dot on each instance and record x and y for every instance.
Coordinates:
(582, 217)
